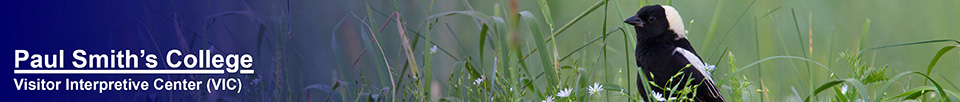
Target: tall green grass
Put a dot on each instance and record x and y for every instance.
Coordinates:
(535, 70)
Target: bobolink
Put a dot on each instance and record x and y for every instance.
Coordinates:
(663, 51)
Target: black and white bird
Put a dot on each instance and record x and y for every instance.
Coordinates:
(663, 50)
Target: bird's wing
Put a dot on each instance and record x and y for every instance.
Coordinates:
(695, 61)
(700, 66)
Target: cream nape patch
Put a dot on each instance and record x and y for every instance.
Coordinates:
(676, 23)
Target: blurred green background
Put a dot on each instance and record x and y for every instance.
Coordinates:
(751, 30)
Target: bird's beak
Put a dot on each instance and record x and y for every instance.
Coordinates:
(635, 21)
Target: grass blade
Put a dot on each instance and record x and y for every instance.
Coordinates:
(826, 85)
(802, 52)
(936, 58)
(476, 15)
(913, 93)
(591, 42)
(575, 19)
(545, 60)
(414, 68)
(545, 10)
(898, 76)
(428, 50)
(910, 43)
(863, 35)
(738, 70)
(713, 24)
(483, 38)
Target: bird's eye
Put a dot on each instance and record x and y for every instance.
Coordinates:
(651, 18)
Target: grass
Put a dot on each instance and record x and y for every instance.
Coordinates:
(542, 72)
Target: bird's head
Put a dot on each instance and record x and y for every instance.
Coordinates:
(657, 21)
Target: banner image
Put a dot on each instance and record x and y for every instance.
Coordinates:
(479, 50)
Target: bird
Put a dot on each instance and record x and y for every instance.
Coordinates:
(662, 50)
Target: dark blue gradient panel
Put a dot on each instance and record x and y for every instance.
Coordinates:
(156, 27)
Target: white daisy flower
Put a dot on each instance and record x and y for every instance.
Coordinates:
(564, 92)
(711, 67)
(478, 81)
(658, 96)
(549, 99)
(595, 89)
(843, 89)
(434, 49)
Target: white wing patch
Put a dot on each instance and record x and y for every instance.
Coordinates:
(675, 21)
(695, 61)
(702, 67)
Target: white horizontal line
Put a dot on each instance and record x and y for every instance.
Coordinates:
(126, 71)
(246, 71)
